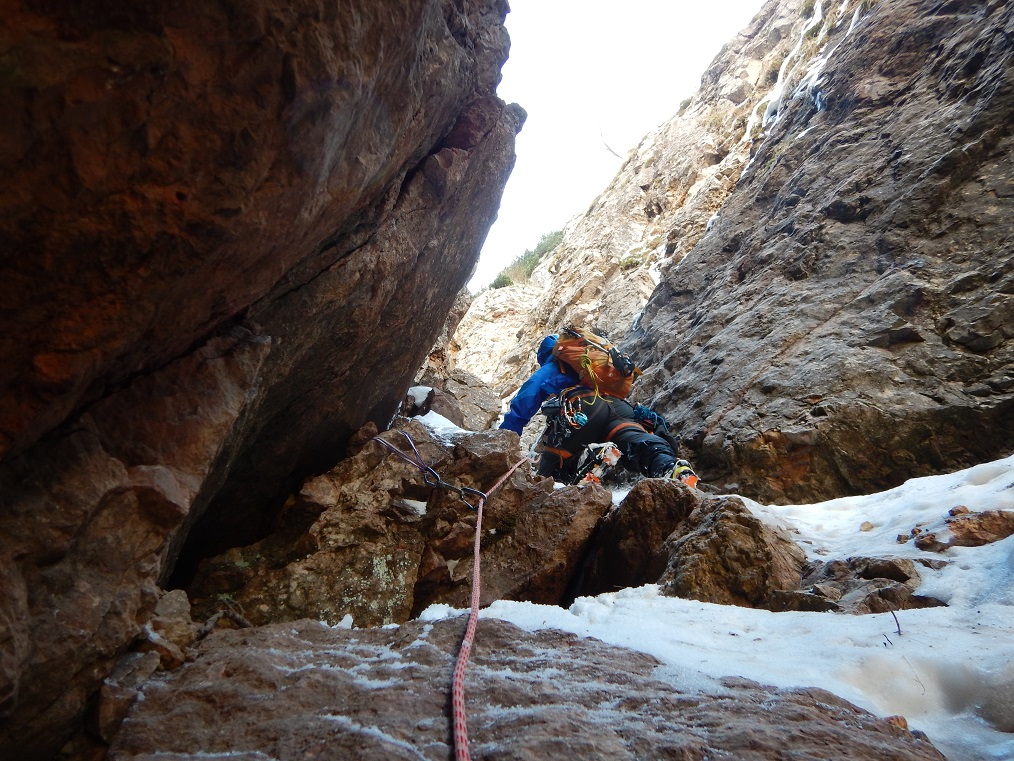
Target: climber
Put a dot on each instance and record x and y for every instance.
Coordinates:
(584, 407)
(549, 380)
(578, 418)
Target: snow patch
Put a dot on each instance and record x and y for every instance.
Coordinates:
(419, 394)
(950, 670)
(441, 428)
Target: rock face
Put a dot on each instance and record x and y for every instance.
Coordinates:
(298, 691)
(372, 541)
(655, 209)
(490, 339)
(724, 554)
(841, 190)
(217, 224)
(847, 325)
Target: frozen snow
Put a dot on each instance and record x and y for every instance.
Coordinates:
(442, 429)
(345, 623)
(419, 394)
(950, 670)
(377, 733)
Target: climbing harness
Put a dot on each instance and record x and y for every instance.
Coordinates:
(458, 682)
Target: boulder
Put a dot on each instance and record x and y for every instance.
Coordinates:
(459, 396)
(724, 554)
(372, 541)
(629, 550)
(964, 529)
(856, 585)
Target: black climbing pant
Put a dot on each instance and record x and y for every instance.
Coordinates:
(583, 419)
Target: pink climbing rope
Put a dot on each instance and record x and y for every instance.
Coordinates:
(432, 478)
(458, 684)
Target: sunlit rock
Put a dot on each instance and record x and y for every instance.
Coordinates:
(724, 554)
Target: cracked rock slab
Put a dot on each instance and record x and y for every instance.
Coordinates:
(306, 691)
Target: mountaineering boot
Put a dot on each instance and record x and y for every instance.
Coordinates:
(682, 471)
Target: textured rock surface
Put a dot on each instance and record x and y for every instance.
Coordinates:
(855, 585)
(965, 529)
(847, 323)
(629, 544)
(218, 222)
(494, 331)
(655, 209)
(370, 540)
(305, 691)
(461, 397)
(723, 554)
(86, 523)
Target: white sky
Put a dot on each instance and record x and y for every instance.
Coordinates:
(588, 70)
(950, 672)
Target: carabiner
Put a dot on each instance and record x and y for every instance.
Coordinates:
(481, 495)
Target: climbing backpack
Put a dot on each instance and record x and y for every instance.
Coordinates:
(598, 363)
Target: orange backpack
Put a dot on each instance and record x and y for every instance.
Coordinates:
(599, 363)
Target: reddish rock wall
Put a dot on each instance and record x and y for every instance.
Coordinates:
(229, 234)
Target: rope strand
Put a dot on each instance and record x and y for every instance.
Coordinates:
(431, 477)
(458, 682)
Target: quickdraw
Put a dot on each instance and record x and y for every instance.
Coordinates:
(570, 410)
(431, 477)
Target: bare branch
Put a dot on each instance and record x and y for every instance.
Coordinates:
(607, 145)
(896, 622)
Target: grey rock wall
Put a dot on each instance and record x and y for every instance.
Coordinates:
(847, 324)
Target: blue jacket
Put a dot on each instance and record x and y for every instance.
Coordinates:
(550, 379)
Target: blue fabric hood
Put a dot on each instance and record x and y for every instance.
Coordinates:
(545, 352)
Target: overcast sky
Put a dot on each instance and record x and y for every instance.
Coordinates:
(590, 73)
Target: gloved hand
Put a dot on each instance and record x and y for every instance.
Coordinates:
(621, 362)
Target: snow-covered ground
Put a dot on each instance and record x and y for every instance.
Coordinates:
(950, 670)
